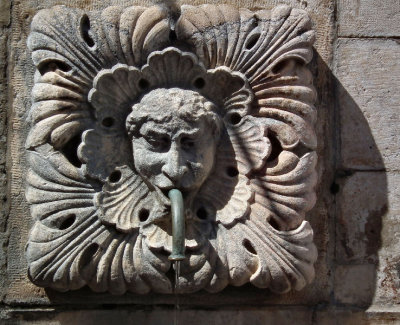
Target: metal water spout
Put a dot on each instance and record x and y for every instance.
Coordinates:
(178, 225)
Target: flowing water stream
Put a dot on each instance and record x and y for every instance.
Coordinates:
(177, 269)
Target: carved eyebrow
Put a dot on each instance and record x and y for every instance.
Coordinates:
(190, 133)
(147, 130)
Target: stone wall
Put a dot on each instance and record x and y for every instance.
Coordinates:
(356, 218)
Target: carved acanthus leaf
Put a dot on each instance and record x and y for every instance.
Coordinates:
(98, 221)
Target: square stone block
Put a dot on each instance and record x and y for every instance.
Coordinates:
(368, 238)
(368, 18)
(354, 284)
(363, 205)
(19, 290)
(368, 85)
(355, 316)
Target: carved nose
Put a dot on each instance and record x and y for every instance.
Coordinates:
(174, 168)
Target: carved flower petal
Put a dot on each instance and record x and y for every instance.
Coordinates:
(102, 151)
(113, 93)
(287, 190)
(268, 258)
(225, 198)
(262, 36)
(249, 145)
(269, 48)
(69, 247)
(127, 203)
(159, 235)
(248, 63)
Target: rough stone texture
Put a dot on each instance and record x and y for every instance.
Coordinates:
(4, 199)
(21, 291)
(281, 316)
(355, 284)
(373, 20)
(368, 239)
(365, 18)
(236, 138)
(365, 202)
(4, 13)
(355, 316)
(369, 96)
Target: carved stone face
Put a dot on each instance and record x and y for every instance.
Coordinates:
(174, 137)
(100, 161)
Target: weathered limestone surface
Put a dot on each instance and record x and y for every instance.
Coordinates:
(281, 316)
(366, 200)
(5, 13)
(243, 205)
(368, 239)
(356, 217)
(4, 31)
(358, 18)
(245, 316)
(20, 290)
(369, 95)
(345, 316)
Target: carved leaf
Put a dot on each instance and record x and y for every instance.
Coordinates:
(256, 252)
(98, 221)
(266, 47)
(287, 190)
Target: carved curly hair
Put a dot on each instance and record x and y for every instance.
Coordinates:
(162, 104)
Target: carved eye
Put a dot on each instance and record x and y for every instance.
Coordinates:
(158, 143)
(187, 143)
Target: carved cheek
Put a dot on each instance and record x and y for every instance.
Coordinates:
(207, 157)
(203, 164)
(147, 163)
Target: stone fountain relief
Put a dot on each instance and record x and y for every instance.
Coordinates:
(131, 103)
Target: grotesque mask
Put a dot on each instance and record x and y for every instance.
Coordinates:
(174, 134)
(127, 108)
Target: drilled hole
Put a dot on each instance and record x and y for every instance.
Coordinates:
(108, 122)
(276, 147)
(232, 171)
(199, 83)
(70, 150)
(249, 246)
(85, 29)
(52, 66)
(334, 188)
(115, 176)
(235, 118)
(274, 224)
(88, 254)
(286, 63)
(67, 222)
(202, 213)
(252, 41)
(172, 36)
(144, 215)
(143, 84)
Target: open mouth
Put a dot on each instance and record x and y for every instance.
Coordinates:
(164, 193)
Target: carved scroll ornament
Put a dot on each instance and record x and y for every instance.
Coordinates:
(129, 103)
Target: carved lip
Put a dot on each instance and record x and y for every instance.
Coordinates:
(164, 192)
